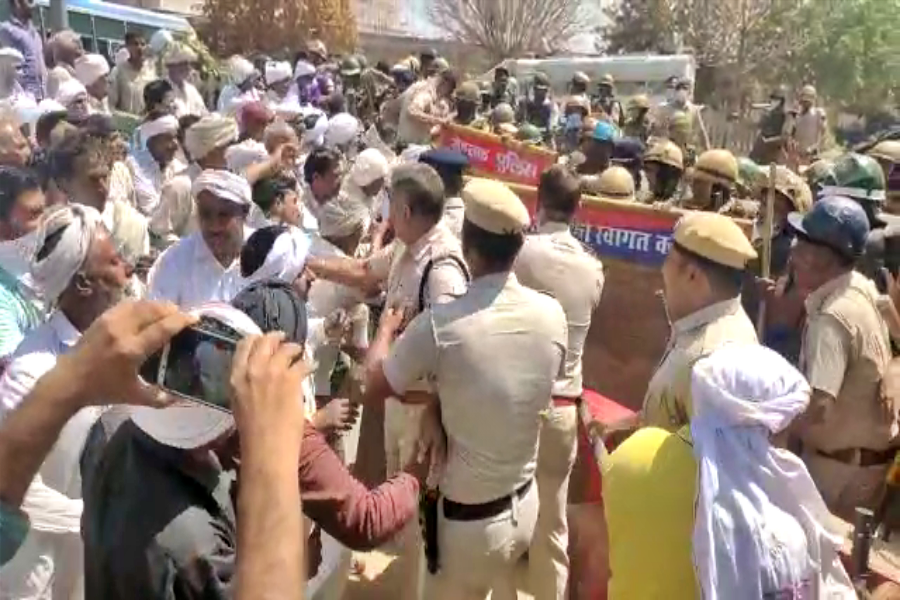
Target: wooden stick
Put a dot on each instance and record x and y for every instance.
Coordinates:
(765, 259)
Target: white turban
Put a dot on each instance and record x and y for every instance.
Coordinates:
(342, 129)
(277, 71)
(11, 54)
(162, 125)
(343, 216)
(245, 154)
(188, 425)
(752, 496)
(316, 135)
(122, 56)
(304, 69)
(160, 41)
(286, 258)
(211, 132)
(223, 184)
(240, 69)
(180, 54)
(70, 91)
(370, 166)
(90, 67)
(52, 273)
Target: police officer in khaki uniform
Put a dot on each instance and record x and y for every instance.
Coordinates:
(494, 355)
(554, 261)
(702, 277)
(850, 423)
(423, 267)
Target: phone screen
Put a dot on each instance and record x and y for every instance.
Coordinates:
(196, 364)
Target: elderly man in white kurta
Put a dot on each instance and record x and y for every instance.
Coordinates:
(91, 70)
(82, 275)
(155, 162)
(205, 266)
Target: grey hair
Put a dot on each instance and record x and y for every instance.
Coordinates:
(421, 188)
(278, 127)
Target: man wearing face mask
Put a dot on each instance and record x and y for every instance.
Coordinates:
(21, 207)
(205, 266)
(78, 271)
(678, 100)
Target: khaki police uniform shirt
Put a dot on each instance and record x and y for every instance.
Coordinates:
(845, 354)
(553, 261)
(494, 354)
(667, 403)
(421, 97)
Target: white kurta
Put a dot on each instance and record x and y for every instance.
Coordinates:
(51, 562)
(188, 275)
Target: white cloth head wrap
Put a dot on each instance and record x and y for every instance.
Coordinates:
(90, 67)
(277, 71)
(162, 125)
(179, 53)
(303, 69)
(70, 91)
(316, 135)
(160, 41)
(122, 56)
(188, 425)
(211, 132)
(286, 259)
(240, 69)
(52, 274)
(342, 129)
(11, 54)
(760, 525)
(370, 166)
(247, 153)
(342, 216)
(223, 184)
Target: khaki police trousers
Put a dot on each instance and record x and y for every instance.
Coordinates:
(402, 423)
(548, 557)
(843, 486)
(477, 557)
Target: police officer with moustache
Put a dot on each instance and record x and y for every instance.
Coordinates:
(494, 354)
(702, 278)
(848, 429)
(554, 261)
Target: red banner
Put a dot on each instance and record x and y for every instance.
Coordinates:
(498, 157)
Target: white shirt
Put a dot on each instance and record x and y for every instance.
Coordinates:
(188, 100)
(454, 215)
(149, 178)
(51, 561)
(325, 297)
(232, 98)
(188, 275)
(175, 215)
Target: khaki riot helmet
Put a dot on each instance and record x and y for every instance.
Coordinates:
(503, 113)
(581, 77)
(641, 101)
(792, 187)
(439, 65)
(679, 128)
(665, 152)
(468, 92)
(607, 80)
(717, 166)
(888, 151)
(615, 183)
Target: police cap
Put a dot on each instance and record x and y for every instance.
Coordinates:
(445, 159)
(714, 237)
(494, 207)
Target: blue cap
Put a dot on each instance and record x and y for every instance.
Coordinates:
(445, 158)
(605, 132)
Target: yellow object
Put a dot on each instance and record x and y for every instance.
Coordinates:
(718, 166)
(665, 152)
(615, 183)
(714, 237)
(649, 488)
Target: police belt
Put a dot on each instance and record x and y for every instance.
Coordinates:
(455, 511)
(563, 401)
(860, 457)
